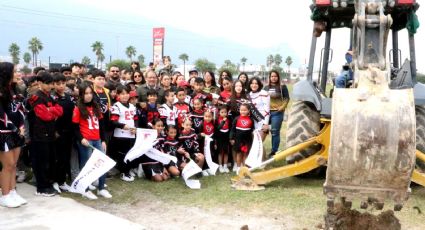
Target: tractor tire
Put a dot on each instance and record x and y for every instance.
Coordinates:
(303, 123)
(420, 134)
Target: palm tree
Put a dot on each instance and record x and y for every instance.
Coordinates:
(243, 61)
(270, 60)
(184, 57)
(288, 62)
(86, 60)
(27, 58)
(35, 46)
(14, 51)
(278, 59)
(227, 63)
(130, 52)
(97, 48)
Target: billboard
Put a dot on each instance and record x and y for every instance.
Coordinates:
(158, 45)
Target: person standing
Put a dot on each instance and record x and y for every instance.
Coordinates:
(11, 140)
(279, 98)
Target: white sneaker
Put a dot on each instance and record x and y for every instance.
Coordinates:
(127, 178)
(235, 167)
(20, 176)
(89, 195)
(91, 187)
(56, 187)
(221, 169)
(225, 169)
(238, 169)
(17, 197)
(133, 172)
(8, 201)
(205, 173)
(65, 187)
(104, 193)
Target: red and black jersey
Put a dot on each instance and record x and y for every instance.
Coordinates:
(197, 117)
(170, 146)
(225, 96)
(242, 125)
(223, 125)
(147, 115)
(159, 145)
(90, 127)
(188, 141)
(208, 128)
(44, 111)
(183, 110)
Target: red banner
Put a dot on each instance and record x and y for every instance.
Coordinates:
(158, 44)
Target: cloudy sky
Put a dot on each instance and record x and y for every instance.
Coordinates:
(217, 30)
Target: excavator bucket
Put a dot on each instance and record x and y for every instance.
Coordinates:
(373, 145)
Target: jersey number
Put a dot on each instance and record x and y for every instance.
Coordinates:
(93, 123)
(129, 115)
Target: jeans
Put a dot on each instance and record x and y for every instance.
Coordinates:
(85, 153)
(276, 119)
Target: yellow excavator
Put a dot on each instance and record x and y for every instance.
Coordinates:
(370, 135)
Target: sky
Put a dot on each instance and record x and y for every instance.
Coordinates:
(216, 30)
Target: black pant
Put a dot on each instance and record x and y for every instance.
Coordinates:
(43, 162)
(63, 157)
(118, 148)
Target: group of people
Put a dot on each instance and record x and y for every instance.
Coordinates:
(57, 115)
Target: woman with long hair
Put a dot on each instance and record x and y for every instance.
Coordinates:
(210, 85)
(279, 98)
(11, 139)
(138, 78)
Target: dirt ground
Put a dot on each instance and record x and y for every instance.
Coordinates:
(155, 214)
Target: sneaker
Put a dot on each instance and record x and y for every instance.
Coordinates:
(89, 195)
(133, 172)
(65, 187)
(235, 167)
(56, 187)
(225, 169)
(91, 187)
(8, 201)
(17, 197)
(221, 168)
(205, 173)
(237, 170)
(20, 176)
(47, 193)
(104, 193)
(126, 177)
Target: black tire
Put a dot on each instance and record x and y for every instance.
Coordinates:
(303, 123)
(420, 134)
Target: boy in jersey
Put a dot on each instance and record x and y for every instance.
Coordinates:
(167, 111)
(199, 93)
(147, 112)
(101, 96)
(182, 107)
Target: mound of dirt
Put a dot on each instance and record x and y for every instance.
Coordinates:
(341, 218)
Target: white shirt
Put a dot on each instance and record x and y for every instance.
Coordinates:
(261, 101)
(126, 116)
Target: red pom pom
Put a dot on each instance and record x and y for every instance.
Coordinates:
(244, 149)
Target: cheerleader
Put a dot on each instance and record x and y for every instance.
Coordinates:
(222, 138)
(241, 135)
(189, 145)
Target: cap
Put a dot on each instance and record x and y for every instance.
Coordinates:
(193, 70)
(133, 94)
(183, 84)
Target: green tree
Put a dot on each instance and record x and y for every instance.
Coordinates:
(14, 51)
(85, 61)
(141, 60)
(184, 57)
(35, 46)
(420, 77)
(288, 62)
(243, 61)
(120, 63)
(270, 61)
(130, 51)
(278, 59)
(97, 48)
(229, 66)
(27, 58)
(202, 64)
